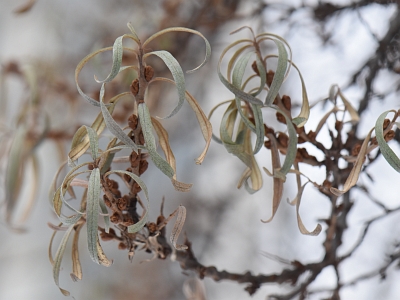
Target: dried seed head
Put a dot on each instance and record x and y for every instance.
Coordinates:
(287, 102)
(143, 166)
(128, 221)
(254, 67)
(148, 73)
(133, 121)
(135, 87)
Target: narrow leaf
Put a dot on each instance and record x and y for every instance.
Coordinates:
(177, 74)
(180, 221)
(174, 29)
(92, 213)
(386, 151)
(76, 264)
(355, 172)
(58, 258)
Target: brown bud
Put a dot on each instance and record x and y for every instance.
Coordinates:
(267, 144)
(283, 139)
(254, 67)
(268, 130)
(312, 135)
(106, 201)
(287, 102)
(280, 118)
(152, 227)
(135, 87)
(386, 123)
(122, 246)
(338, 125)
(141, 138)
(136, 188)
(389, 136)
(270, 77)
(134, 160)
(114, 218)
(91, 166)
(148, 73)
(128, 221)
(106, 237)
(356, 149)
(143, 166)
(128, 178)
(133, 121)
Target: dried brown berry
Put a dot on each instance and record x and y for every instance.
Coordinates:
(115, 218)
(143, 166)
(91, 166)
(106, 237)
(135, 87)
(287, 102)
(133, 121)
(148, 73)
(128, 221)
(152, 227)
(122, 203)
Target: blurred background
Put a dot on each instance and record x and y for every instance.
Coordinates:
(339, 42)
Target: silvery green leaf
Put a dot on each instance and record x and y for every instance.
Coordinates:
(134, 34)
(177, 74)
(147, 129)
(279, 73)
(58, 259)
(93, 140)
(105, 214)
(117, 60)
(113, 126)
(386, 151)
(291, 149)
(92, 213)
(182, 29)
